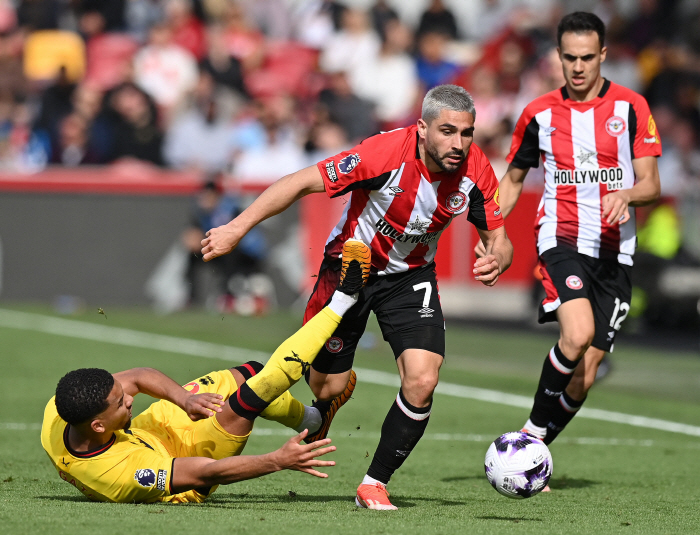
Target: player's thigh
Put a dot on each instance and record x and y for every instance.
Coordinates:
(409, 313)
(171, 424)
(610, 299)
(565, 277)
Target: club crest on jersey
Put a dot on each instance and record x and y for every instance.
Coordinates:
(615, 126)
(348, 163)
(574, 282)
(334, 344)
(192, 387)
(455, 201)
(145, 477)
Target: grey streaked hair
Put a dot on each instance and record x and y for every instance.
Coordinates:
(446, 97)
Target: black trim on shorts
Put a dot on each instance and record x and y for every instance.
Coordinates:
(428, 338)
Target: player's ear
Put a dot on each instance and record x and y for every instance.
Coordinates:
(97, 426)
(603, 53)
(422, 128)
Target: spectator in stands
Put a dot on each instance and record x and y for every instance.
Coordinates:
(186, 29)
(353, 114)
(243, 40)
(21, 149)
(134, 125)
(493, 108)
(269, 144)
(140, 15)
(73, 147)
(315, 21)
(34, 15)
(200, 136)
(271, 16)
(54, 106)
(381, 14)
(390, 80)
(166, 71)
(325, 139)
(225, 69)
(354, 46)
(433, 68)
(212, 206)
(111, 12)
(493, 19)
(438, 18)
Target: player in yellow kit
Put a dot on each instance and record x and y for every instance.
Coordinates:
(185, 445)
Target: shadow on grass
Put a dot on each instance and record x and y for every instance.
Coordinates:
(241, 500)
(562, 483)
(64, 498)
(514, 519)
(461, 478)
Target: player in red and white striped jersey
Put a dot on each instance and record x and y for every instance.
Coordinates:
(404, 188)
(598, 143)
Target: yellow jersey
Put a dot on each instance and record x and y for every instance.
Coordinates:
(134, 466)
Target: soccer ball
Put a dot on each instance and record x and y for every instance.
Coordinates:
(518, 465)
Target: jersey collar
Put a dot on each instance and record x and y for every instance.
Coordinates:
(90, 453)
(601, 93)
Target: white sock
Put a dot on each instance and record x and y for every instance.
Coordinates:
(370, 481)
(312, 420)
(539, 432)
(341, 303)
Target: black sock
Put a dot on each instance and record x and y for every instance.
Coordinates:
(562, 414)
(556, 374)
(249, 369)
(402, 429)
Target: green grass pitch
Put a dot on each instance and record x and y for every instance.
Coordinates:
(608, 477)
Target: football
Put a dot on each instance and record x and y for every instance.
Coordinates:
(518, 465)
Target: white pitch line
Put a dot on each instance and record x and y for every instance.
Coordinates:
(185, 346)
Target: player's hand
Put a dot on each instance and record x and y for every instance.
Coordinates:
(302, 457)
(200, 406)
(220, 241)
(616, 207)
(480, 249)
(487, 270)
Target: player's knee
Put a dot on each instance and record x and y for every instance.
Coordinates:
(574, 344)
(418, 390)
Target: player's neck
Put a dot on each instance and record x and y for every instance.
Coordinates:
(86, 439)
(585, 96)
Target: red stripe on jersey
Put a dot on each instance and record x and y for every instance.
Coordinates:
(358, 202)
(563, 150)
(549, 288)
(607, 149)
(397, 211)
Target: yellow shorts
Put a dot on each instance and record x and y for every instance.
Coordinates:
(184, 438)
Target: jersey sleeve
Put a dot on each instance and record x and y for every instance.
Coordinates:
(525, 145)
(143, 476)
(644, 136)
(484, 210)
(367, 165)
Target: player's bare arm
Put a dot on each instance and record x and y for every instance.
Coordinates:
(275, 199)
(158, 385)
(646, 190)
(196, 472)
(497, 258)
(509, 189)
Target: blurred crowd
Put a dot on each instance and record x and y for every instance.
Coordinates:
(255, 89)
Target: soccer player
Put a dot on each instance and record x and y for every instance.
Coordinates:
(404, 188)
(182, 447)
(599, 144)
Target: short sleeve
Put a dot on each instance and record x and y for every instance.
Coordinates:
(525, 145)
(143, 476)
(367, 165)
(644, 135)
(484, 209)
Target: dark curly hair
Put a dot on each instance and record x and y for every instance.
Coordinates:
(82, 394)
(581, 22)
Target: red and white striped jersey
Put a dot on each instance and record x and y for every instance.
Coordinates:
(587, 149)
(399, 207)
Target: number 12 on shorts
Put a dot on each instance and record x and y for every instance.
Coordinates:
(620, 308)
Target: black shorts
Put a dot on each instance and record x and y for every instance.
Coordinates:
(407, 306)
(607, 284)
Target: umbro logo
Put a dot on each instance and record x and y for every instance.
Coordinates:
(549, 130)
(426, 312)
(396, 191)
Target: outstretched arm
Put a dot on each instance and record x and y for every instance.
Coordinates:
(158, 385)
(646, 190)
(275, 199)
(498, 255)
(196, 472)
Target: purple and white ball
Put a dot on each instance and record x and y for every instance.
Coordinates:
(518, 465)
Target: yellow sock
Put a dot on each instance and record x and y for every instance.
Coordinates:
(294, 356)
(286, 409)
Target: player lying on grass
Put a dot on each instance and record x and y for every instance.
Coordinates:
(182, 447)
